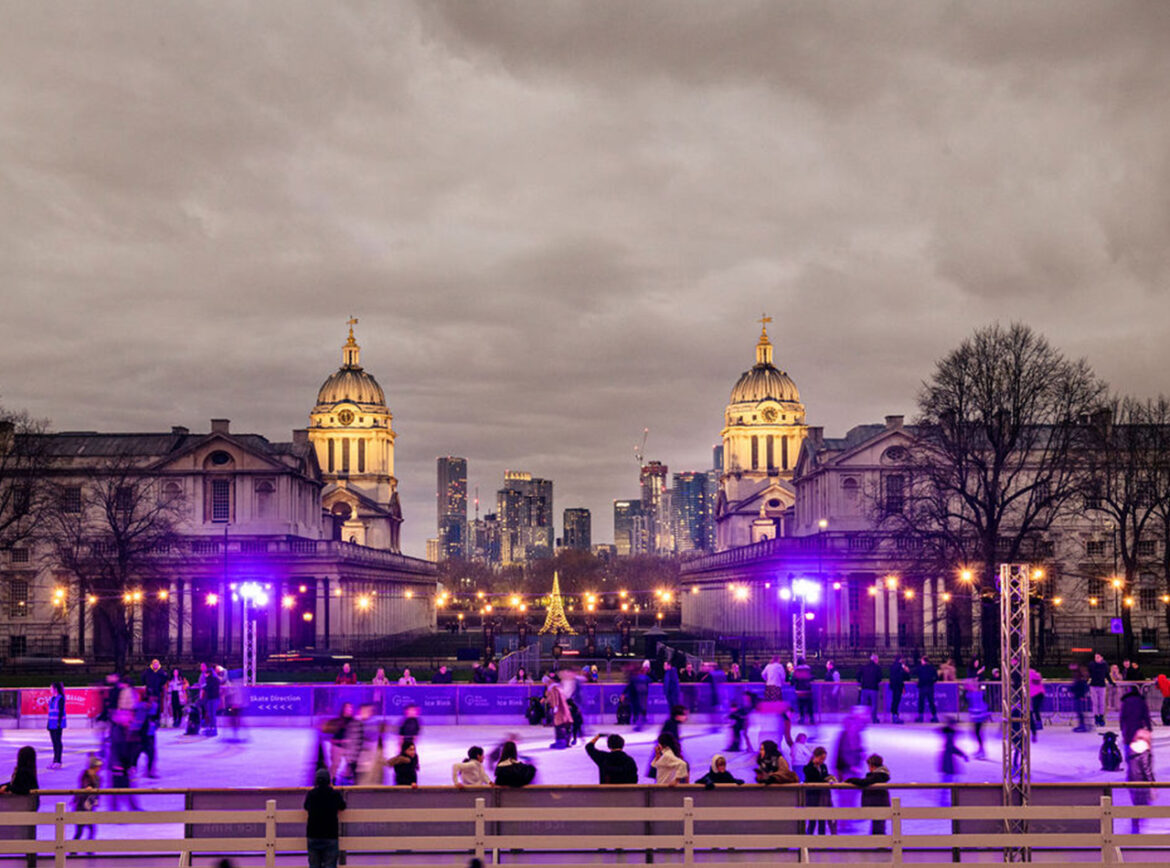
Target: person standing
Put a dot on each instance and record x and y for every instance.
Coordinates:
(927, 677)
(833, 680)
(978, 712)
(24, 783)
(899, 672)
(407, 680)
(56, 723)
(948, 761)
(1036, 691)
(1139, 769)
(817, 772)
(323, 827)
(178, 688)
(1099, 681)
(671, 686)
(614, 766)
(876, 773)
(87, 800)
(802, 678)
(1080, 694)
(405, 765)
(870, 680)
(155, 681)
(346, 675)
(443, 676)
(669, 768)
(638, 693)
(210, 699)
(380, 679)
(775, 676)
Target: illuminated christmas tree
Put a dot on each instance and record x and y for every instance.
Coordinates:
(554, 618)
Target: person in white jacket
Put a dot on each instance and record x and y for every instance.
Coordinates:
(669, 767)
(470, 772)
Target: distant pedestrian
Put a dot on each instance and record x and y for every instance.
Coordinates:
(411, 725)
(407, 680)
(1080, 694)
(380, 679)
(210, 701)
(927, 676)
(951, 754)
(562, 715)
(1099, 681)
(899, 674)
(740, 717)
(671, 686)
(56, 723)
(775, 676)
(1036, 690)
(948, 673)
(323, 828)
(833, 683)
(577, 718)
(178, 687)
(346, 675)
(870, 679)
(977, 712)
(802, 678)
(443, 676)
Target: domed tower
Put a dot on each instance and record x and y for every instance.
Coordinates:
(763, 429)
(350, 427)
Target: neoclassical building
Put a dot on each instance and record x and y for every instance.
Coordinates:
(312, 522)
(763, 429)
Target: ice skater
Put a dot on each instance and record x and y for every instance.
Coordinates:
(978, 713)
(948, 763)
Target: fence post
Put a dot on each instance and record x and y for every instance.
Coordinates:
(59, 836)
(480, 828)
(896, 830)
(688, 831)
(270, 833)
(1108, 853)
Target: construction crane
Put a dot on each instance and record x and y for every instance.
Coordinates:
(640, 449)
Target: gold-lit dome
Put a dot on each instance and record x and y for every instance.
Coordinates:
(764, 380)
(350, 383)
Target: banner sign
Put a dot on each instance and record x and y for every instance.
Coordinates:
(79, 701)
(277, 701)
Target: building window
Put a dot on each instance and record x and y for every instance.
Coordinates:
(1149, 637)
(1146, 548)
(1093, 499)
(124, 498)
(17, 646)
(1148, 599)
(265, 498)
(1097, 587)
(771, 452)
(20, 556)
(172, 493)
(895, 493)
(784, 452)
(755, 452)
(331, 463)
(71, 498)
(1045, 548)
(362, 456)
(17, 598)
(221, 500)
(1095, 548)
(345, 456)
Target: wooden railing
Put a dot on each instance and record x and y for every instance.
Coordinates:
(669, 820)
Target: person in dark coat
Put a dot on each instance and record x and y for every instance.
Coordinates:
(802, 679)
(899, 672)
(614, 766)
(323, 828)
(816, 771)
(210, 700)
(24, 783)
(1099, 679)
(405, 765)
(443, 676)
(1135, 715)
(155, 681)
(870, 680)
(927, 677)
(671, 688)
(876, 773)
(511, 771)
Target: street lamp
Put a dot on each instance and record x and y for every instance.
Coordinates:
(807, 592)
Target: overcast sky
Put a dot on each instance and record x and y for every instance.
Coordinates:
(559, 222)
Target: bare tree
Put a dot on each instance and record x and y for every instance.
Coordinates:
(1158, 420)
(22, 478)
(108, 536)
(1001, 433)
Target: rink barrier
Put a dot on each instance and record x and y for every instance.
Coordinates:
(760, 824)
(291, 704)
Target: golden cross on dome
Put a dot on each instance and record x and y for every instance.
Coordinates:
(764, 320)
(351, 322)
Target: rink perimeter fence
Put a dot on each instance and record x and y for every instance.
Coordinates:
(286, 704)
(565, 826)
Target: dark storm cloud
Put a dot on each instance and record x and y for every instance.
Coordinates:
(558, 223)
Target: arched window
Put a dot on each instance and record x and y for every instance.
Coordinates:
(265, 498)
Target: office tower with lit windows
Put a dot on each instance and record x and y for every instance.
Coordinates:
(692, 503)
(630, 528)
(577, 534)
(524, 507)
(656, 507)
(451, 495)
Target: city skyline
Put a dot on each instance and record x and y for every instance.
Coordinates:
(560, 227)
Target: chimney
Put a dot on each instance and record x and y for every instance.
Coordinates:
(179, 431)
(220, 426)
(816, 434)
(300, 436)
(894, 423)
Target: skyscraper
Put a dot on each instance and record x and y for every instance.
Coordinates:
(452, 507)
(656, 507)
(578, 529)
(630, 532)
(692, 504)
(525, 509)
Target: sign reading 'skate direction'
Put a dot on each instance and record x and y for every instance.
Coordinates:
(79, 701)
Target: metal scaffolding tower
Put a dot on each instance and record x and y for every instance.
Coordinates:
(1014, 668)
